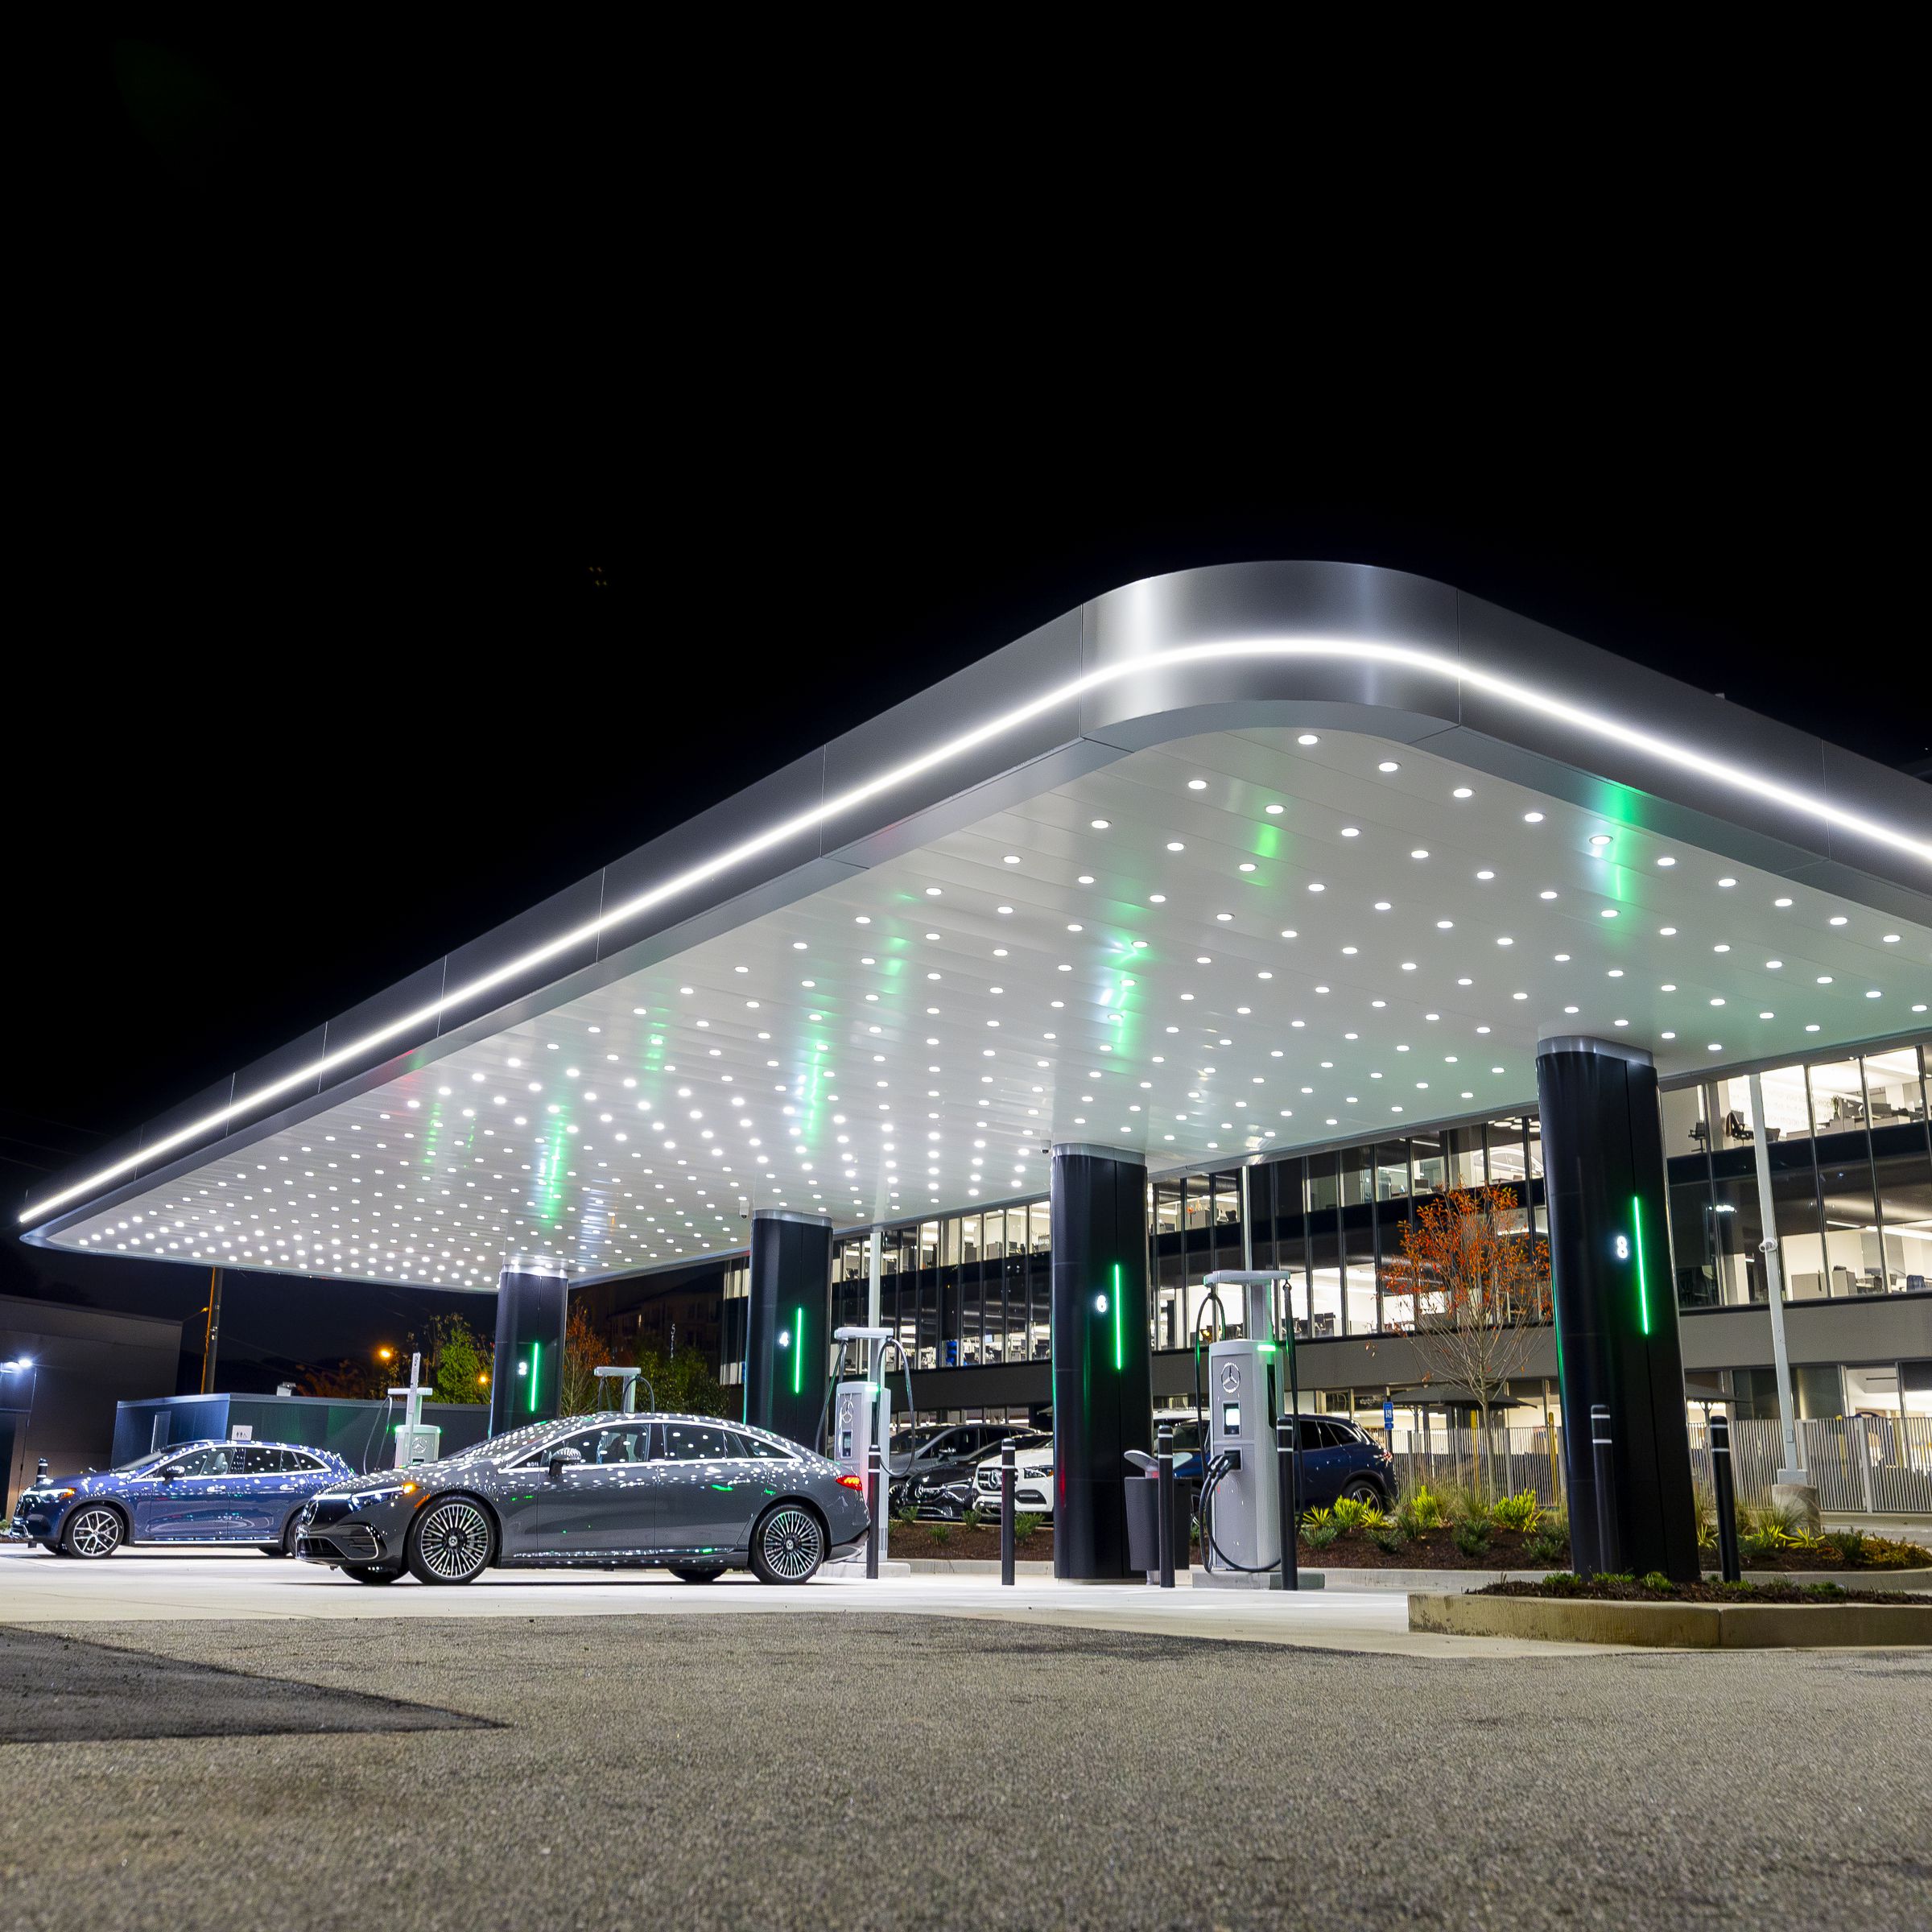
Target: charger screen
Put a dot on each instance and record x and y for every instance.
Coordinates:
(1231, 1418)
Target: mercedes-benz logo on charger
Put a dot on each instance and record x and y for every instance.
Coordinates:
(1231, 1378)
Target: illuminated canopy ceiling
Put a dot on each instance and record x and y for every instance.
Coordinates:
(1283, 889)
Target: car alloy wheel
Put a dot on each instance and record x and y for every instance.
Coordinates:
(451, 1544)
(94, 1531)
(1361, 1492)
(790, 1545)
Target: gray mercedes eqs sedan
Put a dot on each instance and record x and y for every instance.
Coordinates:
(686, 1493)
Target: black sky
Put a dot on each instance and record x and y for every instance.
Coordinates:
(493, 500)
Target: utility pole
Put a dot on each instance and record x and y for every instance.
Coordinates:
(210, 1343)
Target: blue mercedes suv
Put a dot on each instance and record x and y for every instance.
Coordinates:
(188, 1493)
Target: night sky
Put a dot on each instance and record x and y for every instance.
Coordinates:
(376, 688)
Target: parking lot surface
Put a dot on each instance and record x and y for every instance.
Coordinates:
(860, 1770)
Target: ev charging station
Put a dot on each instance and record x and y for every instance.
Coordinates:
(861, 1419)
(627, 1381)
(1252, 1475)
(416, 1440)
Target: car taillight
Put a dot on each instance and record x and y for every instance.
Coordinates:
(853, 1482)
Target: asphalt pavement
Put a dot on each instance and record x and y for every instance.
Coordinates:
(858, 1771)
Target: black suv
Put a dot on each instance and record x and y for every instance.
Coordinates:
(939, 1457)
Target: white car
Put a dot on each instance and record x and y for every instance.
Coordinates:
(1032, 1477)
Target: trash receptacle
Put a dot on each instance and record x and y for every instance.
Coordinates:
(1143, 1525)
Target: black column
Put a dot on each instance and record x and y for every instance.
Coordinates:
(788, 1323)
(1103, 1374)
(1615, 1305)
(527, 1384)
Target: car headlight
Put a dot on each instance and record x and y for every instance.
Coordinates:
(387, 1493)
(1039, 1472)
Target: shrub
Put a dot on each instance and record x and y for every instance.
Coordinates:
(1850, 1544)
(1472, 1538)
(1421, 1509)
(1519, 1511)
(1546, 1546)
(1319, 1528)
(1388, 1537)
(940, 1533)
(1465, 1502)
(1824, 1591)
(1350, 1515)
(974, 1518)
(1562, 1583)
(1025, 1523)
(1655, 1579)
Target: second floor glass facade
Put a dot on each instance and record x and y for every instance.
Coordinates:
(1850, 1153)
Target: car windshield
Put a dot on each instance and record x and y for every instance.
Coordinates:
(147, 1461)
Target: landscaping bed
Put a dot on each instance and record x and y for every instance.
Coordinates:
(1657, 1614)
(1660, 1590)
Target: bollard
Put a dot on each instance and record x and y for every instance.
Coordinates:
(1723, 1482)
(1286, 1429)
(874, 1488)
(1607, 1550)
(1006, 1512)
(1163, 1460)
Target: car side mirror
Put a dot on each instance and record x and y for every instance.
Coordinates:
(173, 1470)
(561, 1459)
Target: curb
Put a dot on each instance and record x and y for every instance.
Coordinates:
(1674, 1626)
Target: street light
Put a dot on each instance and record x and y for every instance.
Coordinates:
(385, 1354)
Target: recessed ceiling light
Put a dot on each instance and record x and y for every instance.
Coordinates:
(1725, 882)
(1197, 784)
(1421, 851)
(1099, 824)
(1545, 895)
(1352, 832)
(1599, 839)
(1307, 737)
(1273, 811)
(1175, 845)
(1485, 875)
(1157, 899)
(1387, 764)
(1318, 888)
(1533, 818)
(1891, 938)
(1462, 791)
(1288, 932)
(1838, 918)
(1666, 861)
(1781, 902)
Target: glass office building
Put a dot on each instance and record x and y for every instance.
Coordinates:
(1850, 1150)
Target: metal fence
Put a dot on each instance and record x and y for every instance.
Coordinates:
(1518, 1459)
(1862, 1465)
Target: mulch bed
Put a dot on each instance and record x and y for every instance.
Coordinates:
(1432, 1550)
(976, 1542)
(1826, 1556)
(1605, 1590)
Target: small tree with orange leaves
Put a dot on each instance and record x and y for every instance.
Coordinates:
(1478, 1290)
(584, 1351)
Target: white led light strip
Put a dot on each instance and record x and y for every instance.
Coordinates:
(1523, 696)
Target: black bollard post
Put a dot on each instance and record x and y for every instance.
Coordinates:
(1163, 1458)
(1006, 1512)
(1287, 1428)
(874, 1497)
(1723, 1481)
(1608, 1552)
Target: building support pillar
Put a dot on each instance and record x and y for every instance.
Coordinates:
(1103, 1368)
(1615, 1295)
(533, 1303)
(788, 1323)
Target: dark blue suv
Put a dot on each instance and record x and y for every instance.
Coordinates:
(190, 1493)
(1340, 1458)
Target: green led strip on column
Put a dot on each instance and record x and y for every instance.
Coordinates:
(536, 1356)
(798, 1349)
(1643, 1284)
(1120, 1358)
